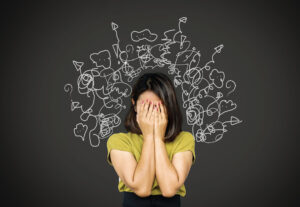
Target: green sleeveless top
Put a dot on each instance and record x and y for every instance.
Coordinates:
(133, 143)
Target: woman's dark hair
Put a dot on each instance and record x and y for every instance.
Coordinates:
(162, 86)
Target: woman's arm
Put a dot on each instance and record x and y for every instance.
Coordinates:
(144, 174)
(170, 176)
(139, 176)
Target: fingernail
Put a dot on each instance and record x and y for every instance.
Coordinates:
(142, 101)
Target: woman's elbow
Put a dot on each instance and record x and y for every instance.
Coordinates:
(169, 193)
(143, 193)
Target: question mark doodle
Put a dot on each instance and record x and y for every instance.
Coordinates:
(68, 88)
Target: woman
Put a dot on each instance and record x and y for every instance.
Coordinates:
(154, 158)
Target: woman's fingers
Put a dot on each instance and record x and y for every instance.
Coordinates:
(156, 114)
(163, 111)
(145, 108)
(156, 107)
(160, 109)
(153, 113)
(150, 111)
(140, 107)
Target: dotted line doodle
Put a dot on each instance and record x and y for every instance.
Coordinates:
(204, 88)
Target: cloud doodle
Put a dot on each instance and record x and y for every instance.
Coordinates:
(143, 35)
(204, 89)
(101, 58)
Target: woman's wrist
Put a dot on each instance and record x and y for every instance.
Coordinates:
(157, 137)
(148, 137)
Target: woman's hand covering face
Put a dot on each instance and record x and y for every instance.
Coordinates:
(145, 117)
(160, 121)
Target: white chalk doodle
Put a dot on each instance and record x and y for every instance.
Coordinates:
(109, 83)
(143, 35)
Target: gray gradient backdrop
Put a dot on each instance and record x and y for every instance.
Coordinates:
(43, 164)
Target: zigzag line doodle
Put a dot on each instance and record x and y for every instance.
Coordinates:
(203, 87)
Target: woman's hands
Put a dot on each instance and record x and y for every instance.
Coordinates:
(160, 122)
(152, 119)
(145, 118)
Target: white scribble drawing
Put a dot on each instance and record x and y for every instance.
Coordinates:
(145, 34)
(204, 89)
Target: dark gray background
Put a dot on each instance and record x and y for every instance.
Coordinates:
(255, 164)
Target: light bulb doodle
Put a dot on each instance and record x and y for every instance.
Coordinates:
(109, 81)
